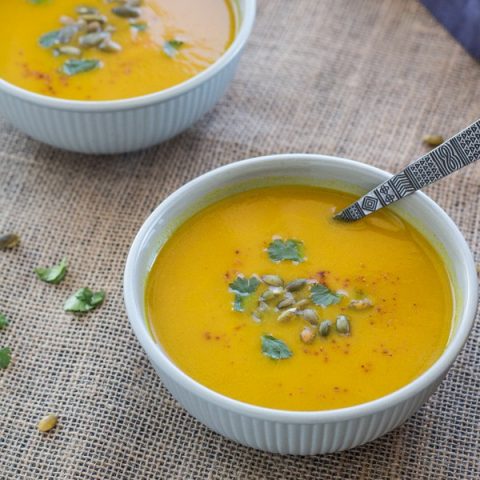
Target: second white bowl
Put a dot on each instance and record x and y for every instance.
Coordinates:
(118, 126)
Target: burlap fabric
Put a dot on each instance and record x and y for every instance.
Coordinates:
(363, 79)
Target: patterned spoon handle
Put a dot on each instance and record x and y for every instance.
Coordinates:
(457, 152)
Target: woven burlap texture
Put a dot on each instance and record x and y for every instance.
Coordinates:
(364, 79)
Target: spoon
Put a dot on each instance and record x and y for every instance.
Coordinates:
(457, 152)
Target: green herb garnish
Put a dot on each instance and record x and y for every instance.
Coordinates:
(3, 321)
(141, 27)
(274, 348)
(243, 287)
(49, 39)
(279, 250)
(5, 357)
(53, 274)
(73, 66)
(171, 47)
(322, 295)
(84, 300)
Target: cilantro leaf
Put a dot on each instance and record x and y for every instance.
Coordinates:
(3, 321)
(84, 300)
(141, 27)
(171, 47)
(243, 287)
(5, 357)
(274, 348)
(322, 295)
(279, 250)
(49, 39)
(53, 274)
(73, 66)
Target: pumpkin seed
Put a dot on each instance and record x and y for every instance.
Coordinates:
(84, 10)
(93, 27)
(310, 316)
(262, 306)
(288, 301)
(307, 335)
(67, 33)
(257, 316)
(125, 11)
(302, 303)
(109, 28)
(267, 295)
(273, 280)
(110, 46)
(93, 17)
(47, 423)
(9, 240)
(433, 140)
(93, 39)
(324, 328)
(362, 304)
(296, 285)
(287, 315)
(67, 50)
(342, 325)
(133, 3)
(66, 20)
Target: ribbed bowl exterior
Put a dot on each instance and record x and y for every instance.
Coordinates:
(296, 438)
(116, 131)
(282, 431)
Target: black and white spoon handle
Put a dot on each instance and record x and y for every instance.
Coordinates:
(457, 152)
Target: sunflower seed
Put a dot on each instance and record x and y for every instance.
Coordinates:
(286, 302)
(93, 39)
(307, 335)
(362, 304)
(433, 140)
(84, 10)
(309, 315)
(302, 303)
(47, 423)
(93, 17)
(9, 240)
(125, 11)
(66, 20)
(93, 27)
(342, 324)
(295, 285)
(286, 315)
(67, 33)
(67, 50)
(273, 280)
(110, 46)
(324, 328)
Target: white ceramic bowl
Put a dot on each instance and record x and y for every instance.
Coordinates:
(118, 126)
(296, 432)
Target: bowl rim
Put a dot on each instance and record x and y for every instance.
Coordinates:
(426, 379)
(247, 18)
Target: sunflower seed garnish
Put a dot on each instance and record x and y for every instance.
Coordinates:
(362, 304)
(295, 285)
(67, 50)
(342, 325)
(110, 46)
(324, 328)
(273, 280)
(307, 335)
(93, 39)
(125, 11)
(286, 315)
(286, 302)
(310, 315)
(9, 240)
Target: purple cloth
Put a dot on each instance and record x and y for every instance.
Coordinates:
(461, 18)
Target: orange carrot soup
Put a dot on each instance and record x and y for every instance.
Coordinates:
(106, 50)
(264, 298)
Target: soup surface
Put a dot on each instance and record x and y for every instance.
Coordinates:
(64, 49)
(381, 285)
